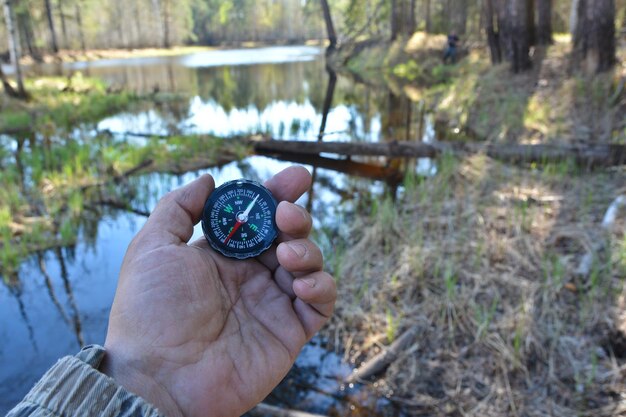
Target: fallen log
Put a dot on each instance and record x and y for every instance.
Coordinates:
(266, 410)
(380, 362)
(356, 169)
(588, 154)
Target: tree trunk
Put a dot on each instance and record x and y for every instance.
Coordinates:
(330, 28)
(166, 24)
(25, 24)
(137, 19)
(81, 31)
(531, 27)
(53, 35)
(158, 18)
(63, 25)
(13, 39)
(594, 35)
(544, 22)
(412, 24)
(8, 88)
(395, 24)
(515, 34)
(493, 37)
(460, 17)
(427, 17)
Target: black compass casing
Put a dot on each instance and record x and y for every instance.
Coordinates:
(239, 219)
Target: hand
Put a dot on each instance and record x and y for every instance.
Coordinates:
(199, 334)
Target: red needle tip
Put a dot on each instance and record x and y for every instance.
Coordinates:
(232, 232)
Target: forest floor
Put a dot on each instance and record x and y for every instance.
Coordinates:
(475, 100)
(512, 278)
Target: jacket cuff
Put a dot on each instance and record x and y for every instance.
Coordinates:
(74, 387)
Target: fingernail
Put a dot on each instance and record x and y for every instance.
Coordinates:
(308, 281)
(298, 248)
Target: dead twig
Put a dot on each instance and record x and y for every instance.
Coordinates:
(380, 362)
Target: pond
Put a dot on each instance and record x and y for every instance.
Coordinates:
(61, 297)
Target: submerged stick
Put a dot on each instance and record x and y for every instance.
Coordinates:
(380, 362)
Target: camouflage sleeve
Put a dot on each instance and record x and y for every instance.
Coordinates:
(74, 387)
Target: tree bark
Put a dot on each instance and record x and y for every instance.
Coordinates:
(493, 36)
(25, 24)
(14, 40)
(544, 22)
(395, 24)
(460, 17)
(412, 23)
(531, 27)
(53, 35)
(330, 27)
(8, 88)
(594, 35)
(63, 25)
(427, 17)
(81, 31)
(158, 18)
(515, 34)
(167, 43)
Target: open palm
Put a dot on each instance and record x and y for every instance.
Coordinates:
(199, 334)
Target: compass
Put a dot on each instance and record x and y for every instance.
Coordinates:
(239, 219)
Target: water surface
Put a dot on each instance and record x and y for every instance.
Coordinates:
(62, 297)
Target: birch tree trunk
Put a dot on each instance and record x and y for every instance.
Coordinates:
(13, 39)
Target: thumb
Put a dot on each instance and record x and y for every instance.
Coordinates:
(173, 219)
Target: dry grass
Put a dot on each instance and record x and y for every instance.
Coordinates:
(481, 260)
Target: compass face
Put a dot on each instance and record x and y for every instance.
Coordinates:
(239, 219)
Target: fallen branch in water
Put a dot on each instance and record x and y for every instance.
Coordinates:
(266, 410)
(589, 154)
(380, 362)
(122, 206)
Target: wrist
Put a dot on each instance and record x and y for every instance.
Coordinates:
(137, 376)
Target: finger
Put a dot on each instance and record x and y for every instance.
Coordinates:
(172, 220)
(290, 183)
(316, 294)
(287, 185)
(293, 221)
(300, 255)
(284, 280)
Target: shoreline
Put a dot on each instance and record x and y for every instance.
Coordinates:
(68, 55)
